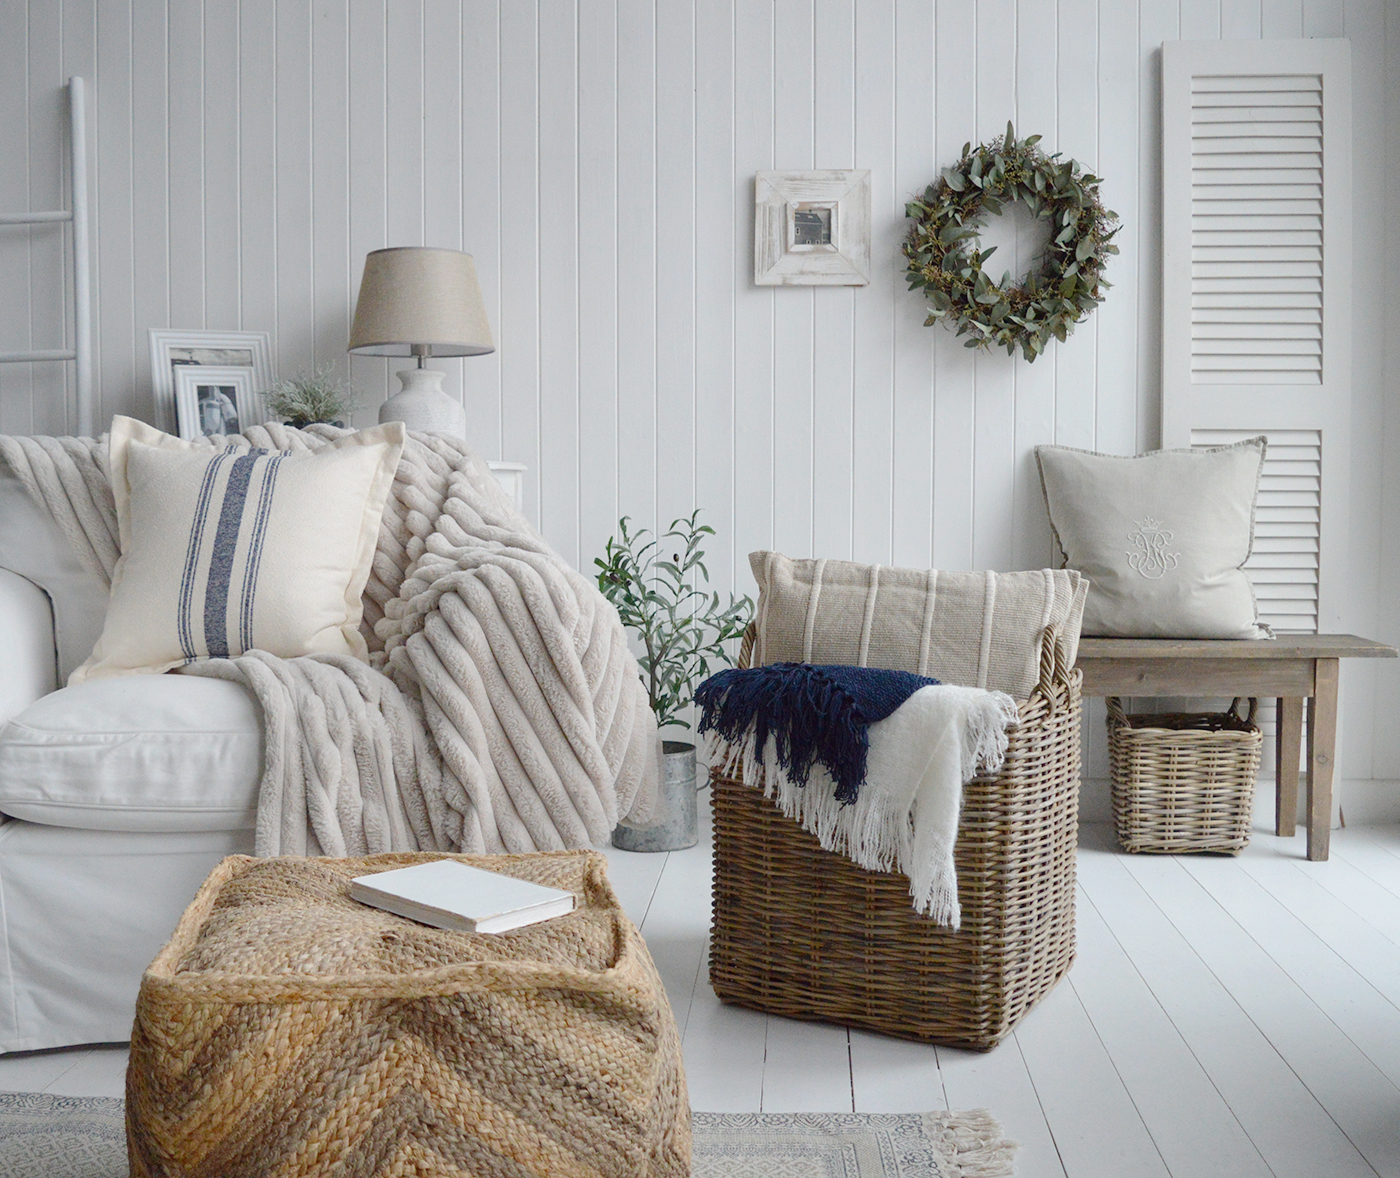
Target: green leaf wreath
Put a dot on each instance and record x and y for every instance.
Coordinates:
(946, 261)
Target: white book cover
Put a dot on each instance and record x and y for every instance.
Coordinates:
(446, 893)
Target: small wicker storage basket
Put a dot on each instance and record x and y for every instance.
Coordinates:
(1183, 781)
(801, 932)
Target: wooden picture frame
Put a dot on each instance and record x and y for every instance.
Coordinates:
(171, 350)
(212, 400)
(812, 228)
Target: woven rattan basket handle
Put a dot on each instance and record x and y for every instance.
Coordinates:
(746, 646)
(1116, 714)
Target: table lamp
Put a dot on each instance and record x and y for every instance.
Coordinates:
(419, 301)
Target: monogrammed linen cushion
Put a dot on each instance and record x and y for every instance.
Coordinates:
(974, 629)
(1161, 537)
(236, 549)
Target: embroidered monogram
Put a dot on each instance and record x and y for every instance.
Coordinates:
(1151, 557)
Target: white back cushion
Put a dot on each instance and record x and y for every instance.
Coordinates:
(148, 752)
(32, 546)
(26, 638)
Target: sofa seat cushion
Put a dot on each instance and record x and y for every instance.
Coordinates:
(152, 753)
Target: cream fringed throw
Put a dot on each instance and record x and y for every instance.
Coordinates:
(500, 711)
(905, 816)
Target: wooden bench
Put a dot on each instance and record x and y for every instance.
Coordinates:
(1291, 668)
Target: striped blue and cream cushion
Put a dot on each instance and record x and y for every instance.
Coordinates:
(236, 549)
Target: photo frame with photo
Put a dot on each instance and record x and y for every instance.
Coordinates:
(173, 350)
(212, 400)
(812, 228)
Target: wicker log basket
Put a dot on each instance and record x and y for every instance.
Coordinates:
(1183, 781)
(801, 932)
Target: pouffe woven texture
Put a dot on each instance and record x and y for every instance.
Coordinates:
(287, 1030)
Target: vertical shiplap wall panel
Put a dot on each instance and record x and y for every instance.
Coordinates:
(994, 433)
(112, 227)
(914, 467)
(518, 329)
(872, 392)
(794, 356)
(184, 162)
(294, 341)
(754, 89)
(717, 276)
(1117, 97)
(150, 194)
(675, 259)
(1077, 135)
(16, 393)
(257, 165)
(596, 455)
(1036, 388)
(558, 278)
(221, 167)
(833, 377)
(954, 383)
(481, 209)
(330, 181)
(597, 159)
(639, 269)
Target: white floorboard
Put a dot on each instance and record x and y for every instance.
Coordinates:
(1226, 1017)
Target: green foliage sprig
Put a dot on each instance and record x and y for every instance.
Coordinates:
(946, 261)
(683, 627)
(322, 396)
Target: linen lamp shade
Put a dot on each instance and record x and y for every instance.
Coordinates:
(419, 301)
(413, 297)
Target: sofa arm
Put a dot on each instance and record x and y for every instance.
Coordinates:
(27, 638)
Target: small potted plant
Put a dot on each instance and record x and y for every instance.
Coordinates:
(683, 627)
(303, 400)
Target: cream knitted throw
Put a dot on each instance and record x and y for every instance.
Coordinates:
(500, 711)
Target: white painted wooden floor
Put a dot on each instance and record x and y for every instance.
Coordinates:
(1232, 1017)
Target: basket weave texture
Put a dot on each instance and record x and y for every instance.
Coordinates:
(1183, 781)
(287, 1030)
(801, 932)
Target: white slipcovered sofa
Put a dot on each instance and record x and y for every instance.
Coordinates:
(117, 797)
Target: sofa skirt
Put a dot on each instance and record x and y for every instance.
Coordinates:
(82, 914)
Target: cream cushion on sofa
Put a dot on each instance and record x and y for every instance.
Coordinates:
(1161, 537)
(231, 549)
(977, 629)
(151, 753)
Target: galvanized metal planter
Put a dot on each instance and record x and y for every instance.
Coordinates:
(676, 823)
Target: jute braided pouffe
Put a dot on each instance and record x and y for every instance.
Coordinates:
(287, 1030)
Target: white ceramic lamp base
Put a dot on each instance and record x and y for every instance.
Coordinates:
(423, 406)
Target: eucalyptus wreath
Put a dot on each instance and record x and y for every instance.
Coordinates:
(946, 261)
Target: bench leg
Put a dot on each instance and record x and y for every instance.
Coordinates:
(1288, 746)
(1322, 756)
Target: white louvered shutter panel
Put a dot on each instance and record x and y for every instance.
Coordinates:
(1256, 292)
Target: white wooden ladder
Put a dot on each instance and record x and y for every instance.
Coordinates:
(81, 351)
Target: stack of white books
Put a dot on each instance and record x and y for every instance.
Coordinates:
(446, 893)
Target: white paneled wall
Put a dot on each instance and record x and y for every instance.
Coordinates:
(597, 157)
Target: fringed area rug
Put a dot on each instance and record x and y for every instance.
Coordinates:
(80, 1137)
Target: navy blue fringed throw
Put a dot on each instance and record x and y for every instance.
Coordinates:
(813, 713)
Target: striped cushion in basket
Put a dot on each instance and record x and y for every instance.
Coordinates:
(235, 549)
(976, 629)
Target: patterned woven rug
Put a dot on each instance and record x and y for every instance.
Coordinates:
(79, 1137)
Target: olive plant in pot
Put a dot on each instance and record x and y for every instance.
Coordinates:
(660, 587)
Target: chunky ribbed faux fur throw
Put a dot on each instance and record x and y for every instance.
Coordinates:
(813, 714)
(500, 711)
(905, 815)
